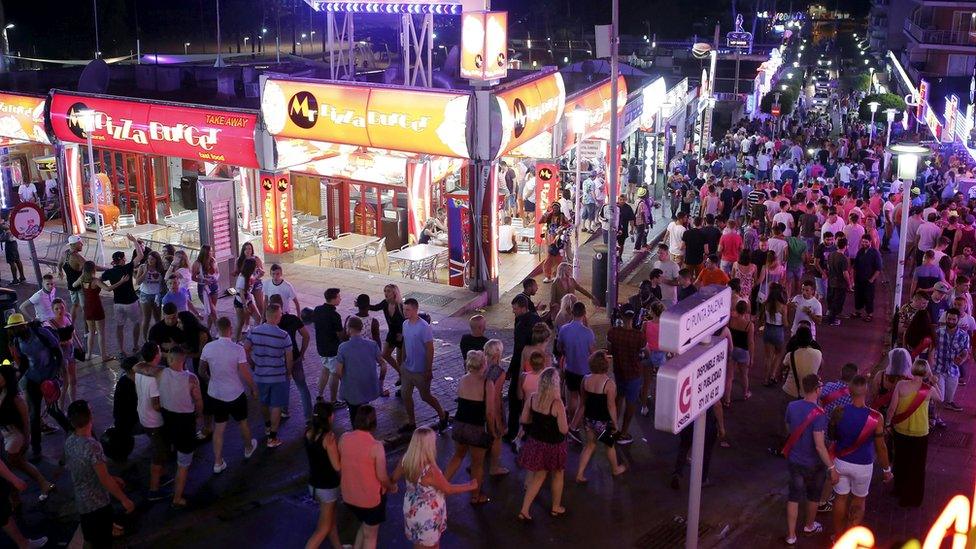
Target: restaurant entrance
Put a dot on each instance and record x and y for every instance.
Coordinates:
(134, 178)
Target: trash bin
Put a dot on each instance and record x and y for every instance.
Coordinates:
(598, 286)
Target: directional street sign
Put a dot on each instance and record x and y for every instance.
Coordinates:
(695, 318)
(689, 384)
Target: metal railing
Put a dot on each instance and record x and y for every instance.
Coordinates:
(957, 38)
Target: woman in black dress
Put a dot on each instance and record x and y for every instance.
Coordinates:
(392, 307)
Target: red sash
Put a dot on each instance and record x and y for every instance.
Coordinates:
(828, 399)
(798, 432)
(920, 396)
(867, 432)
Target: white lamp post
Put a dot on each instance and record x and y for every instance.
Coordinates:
(6, 44)
(87, 119)
(890, 113)
(871, 83)
(577, 120)
(219, 62)
(873, 105)
(908, 157)
(186, 47)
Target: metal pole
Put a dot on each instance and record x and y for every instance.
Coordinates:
(278, 32)
(735, 86)
(872, 128)
(659, 115)
(577, 197)
(888, 136)
(694, 490)
(906, 193)
(98, 49)
(96, 196)
(614, 170)
(219, 62)
(37, 265)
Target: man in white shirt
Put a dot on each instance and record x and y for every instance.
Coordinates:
(41, 300)
(833, 223)
(151, 418)
(844, 174)
(785, 217)
(225, 363)
(280, 286)
(853, 231)
(762, 164)
(669, 276)
(27, 192)
(805, 306)
(928, 233)
(674, 235)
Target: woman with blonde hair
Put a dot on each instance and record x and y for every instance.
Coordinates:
(565, 284)
(496, 375)
(257, 286)
(392, 307)
(544, 452)
(565, 314)
(475, 413)
(204, 273)
(908, 419)
(598, 412)
(424, 508)
(180, 268)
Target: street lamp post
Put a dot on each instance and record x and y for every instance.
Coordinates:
(219, 62)
(873, 105)
(890, 113)
(98, 49)
(908, 157)
(246, 38)
(87, 119)
(186, 48)
(301, 43)
(577, 119)
(6, 45)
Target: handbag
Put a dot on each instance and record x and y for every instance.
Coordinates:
(609, 436)
(79, 350)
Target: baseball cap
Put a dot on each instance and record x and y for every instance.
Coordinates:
(939, 287)
(74, 239)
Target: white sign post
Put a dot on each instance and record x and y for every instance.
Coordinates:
(695, 318)
(689, 384)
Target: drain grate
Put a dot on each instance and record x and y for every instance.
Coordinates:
(669, 535)
(432, 300)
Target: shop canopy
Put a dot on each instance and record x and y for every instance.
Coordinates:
(22, 118)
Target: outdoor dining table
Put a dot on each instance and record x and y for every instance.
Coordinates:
(348, 246)
(413, 255)
(320, 225)
(182, 219)
(140, 231)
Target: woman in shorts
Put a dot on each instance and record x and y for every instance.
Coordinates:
(15, 426)
(323, 474)
(656, 357)
(774, 333)
(257, 286)
(204, 273)
(244, 299)
(475, 412)
(149, 278)
(392, 307)
(742, 329)
(63, 325)
(364, 482)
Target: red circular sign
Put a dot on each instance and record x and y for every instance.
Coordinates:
(26, 221)
(684, 396)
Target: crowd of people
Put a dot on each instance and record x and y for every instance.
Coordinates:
(792, 219)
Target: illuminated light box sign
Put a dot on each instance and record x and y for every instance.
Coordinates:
(159, 128)
(276, 208)
(484, 45)
(22, 118)
(399, 119)
(595, 102)
(738, 40)
(529, 109)
(433, 7)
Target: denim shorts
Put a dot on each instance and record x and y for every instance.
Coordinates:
(773, 334)
(146, 298)
(740, 356)
(629, 389)
(324, 495)
(273, 395)
(658, 358)
(806, 483)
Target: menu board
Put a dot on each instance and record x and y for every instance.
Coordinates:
(220, 221)
(217, 209)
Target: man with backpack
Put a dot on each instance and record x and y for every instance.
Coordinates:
(36, 349)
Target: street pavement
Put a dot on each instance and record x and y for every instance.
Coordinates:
(262, 502)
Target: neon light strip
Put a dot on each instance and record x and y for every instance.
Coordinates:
(388, 8)
(901, 72)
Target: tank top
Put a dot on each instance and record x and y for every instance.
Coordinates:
(545, 427)
(70, 275)
(530, 383)
(152, 282)
(849, 430)
(596, 404)
(174, 391)
(360, 487)
(740, 338)
(9, 416)
(472, 411)
(917, 424)
(321, 473)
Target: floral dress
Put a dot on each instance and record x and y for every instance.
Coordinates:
(424, 512)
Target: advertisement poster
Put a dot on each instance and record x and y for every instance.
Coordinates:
(418, 197)
(546, 192)
(529, 109)
(484, 45)
(276, 213)
(458, 236)
(22, 118)
(489, 220)
(595, 103)
(164, 129)
(73, 187)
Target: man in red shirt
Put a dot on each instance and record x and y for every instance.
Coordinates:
(627, 345)
(711, 274)
(729, 246)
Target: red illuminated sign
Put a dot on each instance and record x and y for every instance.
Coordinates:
(546, 192)
(164, 129)
(276, 214)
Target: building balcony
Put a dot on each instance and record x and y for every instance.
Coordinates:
(943, 37)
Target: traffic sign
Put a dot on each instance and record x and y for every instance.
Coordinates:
(689, 384)
(695, 318)
(26, 221)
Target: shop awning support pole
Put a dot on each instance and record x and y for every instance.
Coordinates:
(96, 189)
(577, 194)
(98, 49)
(614, 171)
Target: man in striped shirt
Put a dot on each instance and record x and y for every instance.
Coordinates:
(269, 353)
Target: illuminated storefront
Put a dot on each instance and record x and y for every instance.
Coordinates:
(147, 148)
(24, 148)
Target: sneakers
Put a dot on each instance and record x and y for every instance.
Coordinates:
(952, 406)
(219, 467)
(625, 439)
(546, 280)
(285, 414)
(645, 411)
(249, 453)
(273, 442)
(814, 528)
(825, 507)
(36, 543)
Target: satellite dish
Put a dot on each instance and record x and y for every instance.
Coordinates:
(95, 77)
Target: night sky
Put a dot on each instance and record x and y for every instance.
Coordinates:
(59, 28)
